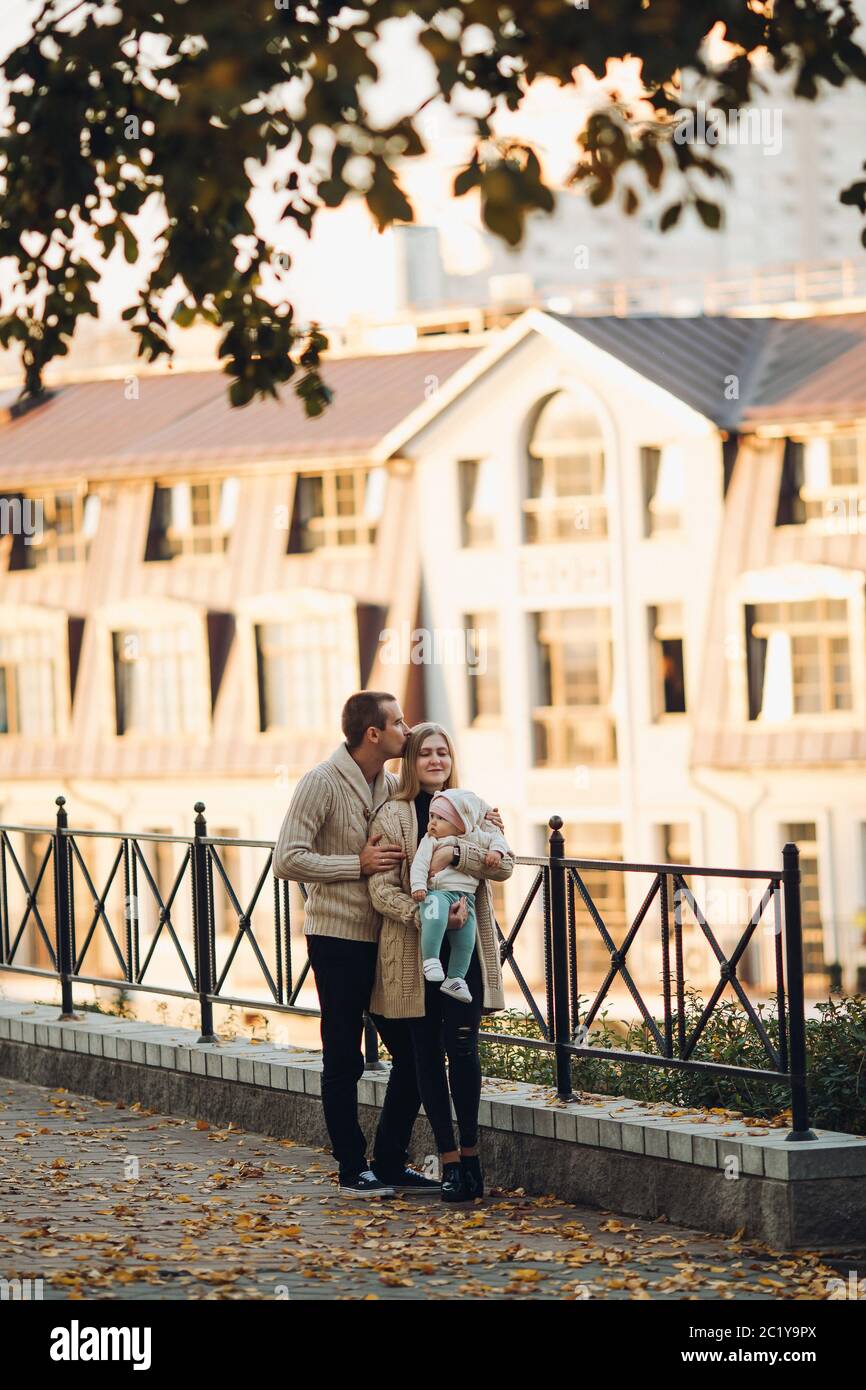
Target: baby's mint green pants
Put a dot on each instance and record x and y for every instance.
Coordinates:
(434, 919)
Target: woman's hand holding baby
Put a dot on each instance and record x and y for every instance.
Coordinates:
(457, 914)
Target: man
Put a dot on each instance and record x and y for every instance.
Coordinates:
(325, 843)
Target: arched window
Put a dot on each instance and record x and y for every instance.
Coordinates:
(565, 496)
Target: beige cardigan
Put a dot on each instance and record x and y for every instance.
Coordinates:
(398, 990)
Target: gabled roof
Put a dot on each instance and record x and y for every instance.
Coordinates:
(787, 370)
(740, 373)
(811, 368)
(183, 422)
(694, 359)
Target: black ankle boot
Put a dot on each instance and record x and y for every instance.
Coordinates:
(473, 1178)
(453, 1186)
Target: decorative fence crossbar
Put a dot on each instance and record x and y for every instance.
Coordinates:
(558, 881)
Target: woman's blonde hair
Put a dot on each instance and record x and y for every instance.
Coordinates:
(409, 785)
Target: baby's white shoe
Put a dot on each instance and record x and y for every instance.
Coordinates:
(433, 970)
(456, 988)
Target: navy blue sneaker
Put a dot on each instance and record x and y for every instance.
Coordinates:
(409, 1180)
(364, 1184)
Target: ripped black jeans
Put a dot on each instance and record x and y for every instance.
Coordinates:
(449, 1029)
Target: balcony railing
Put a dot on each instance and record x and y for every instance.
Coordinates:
(552, 519)
(557, 881)
(574, 735)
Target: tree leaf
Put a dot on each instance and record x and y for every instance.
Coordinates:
(709, 213)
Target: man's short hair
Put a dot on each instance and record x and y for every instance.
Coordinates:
(362, 712)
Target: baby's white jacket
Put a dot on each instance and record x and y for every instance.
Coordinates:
(449, 879)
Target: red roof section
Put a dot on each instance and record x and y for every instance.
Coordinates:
(185, 420)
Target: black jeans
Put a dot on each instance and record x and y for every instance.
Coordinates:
(344, 972)
(449, 1029)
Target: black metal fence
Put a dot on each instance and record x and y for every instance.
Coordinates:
(557, 880)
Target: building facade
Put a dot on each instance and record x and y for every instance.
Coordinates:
(622, 560)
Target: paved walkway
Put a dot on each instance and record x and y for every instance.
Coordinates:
(104, 1201)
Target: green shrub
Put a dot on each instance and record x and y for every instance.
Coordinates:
(835, 1048)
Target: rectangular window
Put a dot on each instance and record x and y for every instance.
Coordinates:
(700, 967)
(477, 483)
(302, 672)
(163, 860)
(191, 518)
(847, 460)
(566, 495)
(28, 675)
(573, 723)
(154, 681)
(799, 660)
(824, 482)
(497, 888)
(224, 911)
(668, 664)
(791, 509)
(483, 666)
(606, 887)
(336, 509)
(675, 843)
(804, 835)
(34, 950)
(50, 528)
(663, 474)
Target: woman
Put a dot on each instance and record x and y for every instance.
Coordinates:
(441, 1026)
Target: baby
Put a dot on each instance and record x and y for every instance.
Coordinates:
(453, 813)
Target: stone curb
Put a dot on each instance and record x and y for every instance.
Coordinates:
(610, 1123)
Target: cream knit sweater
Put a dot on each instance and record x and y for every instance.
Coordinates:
(320, 842)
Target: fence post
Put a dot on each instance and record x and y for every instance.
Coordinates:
(796, 1008)
(62, 916)
(559, 952)
(201, 926)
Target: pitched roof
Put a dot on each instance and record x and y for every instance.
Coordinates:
(738, 372)
(786, 370)
(811, 368)
(692, 358)
(184, 421)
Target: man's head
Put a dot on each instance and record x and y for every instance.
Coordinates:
(373, 722)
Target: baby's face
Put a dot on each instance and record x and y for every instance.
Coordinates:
(439, 827)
